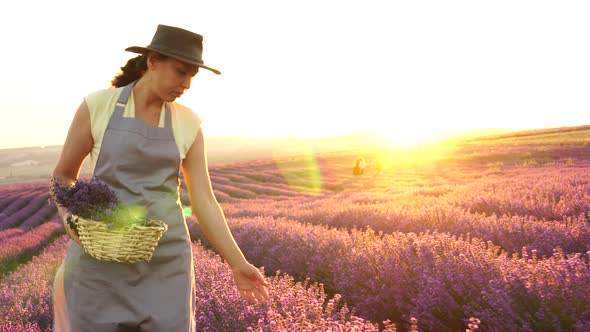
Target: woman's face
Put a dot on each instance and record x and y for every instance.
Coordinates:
(171, 77)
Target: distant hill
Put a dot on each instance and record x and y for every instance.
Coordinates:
(531, 132)
(36, 163)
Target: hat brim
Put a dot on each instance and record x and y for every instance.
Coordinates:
(143, 50)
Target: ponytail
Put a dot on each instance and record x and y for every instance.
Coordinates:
(132, 71)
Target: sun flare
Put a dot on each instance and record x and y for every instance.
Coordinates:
(412, 145)
(406, 138)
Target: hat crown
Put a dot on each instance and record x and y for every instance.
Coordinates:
(179, 42)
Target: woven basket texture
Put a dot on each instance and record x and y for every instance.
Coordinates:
(128, 244)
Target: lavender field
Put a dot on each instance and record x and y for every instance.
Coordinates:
(486, 235)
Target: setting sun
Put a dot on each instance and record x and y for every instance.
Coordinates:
(408, 138)
(408, 135)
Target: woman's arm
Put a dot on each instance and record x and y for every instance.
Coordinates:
(250, 282)
(77, 146)
(205, 205)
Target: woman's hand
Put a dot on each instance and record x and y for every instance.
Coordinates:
(251, 283)
(71, 233)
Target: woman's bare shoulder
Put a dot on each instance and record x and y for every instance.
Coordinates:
(186, 113)
(102, 95)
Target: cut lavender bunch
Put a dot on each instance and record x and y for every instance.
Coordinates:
(91, 199)
(95, 200)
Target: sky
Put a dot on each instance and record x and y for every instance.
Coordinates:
(409, 69)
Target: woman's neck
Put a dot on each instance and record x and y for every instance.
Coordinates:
(145, 98)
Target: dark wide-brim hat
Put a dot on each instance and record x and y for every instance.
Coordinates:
(176, 43)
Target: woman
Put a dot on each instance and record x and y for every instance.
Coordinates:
(139, 141)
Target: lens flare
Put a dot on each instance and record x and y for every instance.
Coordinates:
(187, 211)
(300, 170)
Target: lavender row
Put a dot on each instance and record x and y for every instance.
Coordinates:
(47, 211)
(8, 233)
(20, 201)
(7, 199)
(438, 278)
(25, 300)
(36, 203)
(292, 181)
(30, 242)
(266, 177)
(17, 201)
(410, 212)
(25, 294)
(257, 188)
(548, 193)
(261, 176)
(12, 187)
(233, 191)
(11, 190)
(260, 189)
(293, 306)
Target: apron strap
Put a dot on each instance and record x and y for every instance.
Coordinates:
(122, 102)
(168, 117)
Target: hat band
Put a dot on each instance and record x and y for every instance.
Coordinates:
(194, 57)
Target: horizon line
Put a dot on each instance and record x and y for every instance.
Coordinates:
(458, 132)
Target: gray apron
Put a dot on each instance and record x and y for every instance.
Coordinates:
(142, 164)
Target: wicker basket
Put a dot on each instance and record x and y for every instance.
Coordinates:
(129, 244)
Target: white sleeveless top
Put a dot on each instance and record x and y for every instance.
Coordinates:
(185, 122)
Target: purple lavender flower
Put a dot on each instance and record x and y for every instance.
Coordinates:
(89, 199)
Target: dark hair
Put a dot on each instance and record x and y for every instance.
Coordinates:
(133, 69)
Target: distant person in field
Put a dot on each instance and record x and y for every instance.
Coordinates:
(359, 166)
(139, 140)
